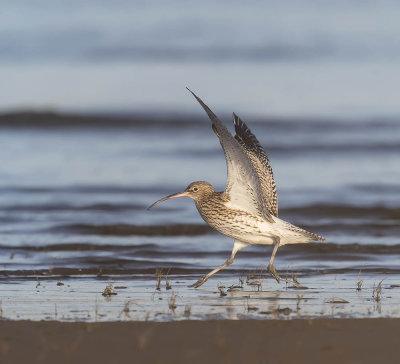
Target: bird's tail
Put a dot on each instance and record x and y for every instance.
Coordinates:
(307, 234)
(314, 236)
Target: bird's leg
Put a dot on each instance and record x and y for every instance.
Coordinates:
(271, 268)
(236, 247)
(208, 275)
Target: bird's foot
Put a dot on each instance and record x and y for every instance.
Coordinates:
(274, 273)
(199, 282)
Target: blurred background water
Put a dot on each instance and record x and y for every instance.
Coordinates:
(297, 58)
(316, 82)
(86, 189)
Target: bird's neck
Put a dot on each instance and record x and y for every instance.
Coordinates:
(211, 201)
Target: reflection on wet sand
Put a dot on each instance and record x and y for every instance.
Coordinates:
(91, 300)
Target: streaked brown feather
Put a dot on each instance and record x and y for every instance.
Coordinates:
(260, 162)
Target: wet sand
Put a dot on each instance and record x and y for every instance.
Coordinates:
(222, 298)
(226, 341)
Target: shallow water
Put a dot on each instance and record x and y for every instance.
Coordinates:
(73, 200)
(136, 298)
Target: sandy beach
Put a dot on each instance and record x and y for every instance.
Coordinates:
(247, 341)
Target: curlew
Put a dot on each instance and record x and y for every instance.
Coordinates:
(247, 209)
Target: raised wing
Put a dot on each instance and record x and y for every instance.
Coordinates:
(260, 162)
(243, 188)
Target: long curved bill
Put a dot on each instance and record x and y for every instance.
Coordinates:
(179, 194)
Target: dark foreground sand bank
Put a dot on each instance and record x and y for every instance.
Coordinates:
(272, 341)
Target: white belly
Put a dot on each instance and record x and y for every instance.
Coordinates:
(255, 230)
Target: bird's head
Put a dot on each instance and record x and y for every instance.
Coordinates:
(196, 190)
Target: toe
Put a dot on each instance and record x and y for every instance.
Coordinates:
(274, 273)
(197, 284)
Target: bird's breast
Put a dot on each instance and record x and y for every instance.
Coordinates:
(235, 223)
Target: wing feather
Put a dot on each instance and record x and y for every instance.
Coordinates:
(243, 189)
(260, 162)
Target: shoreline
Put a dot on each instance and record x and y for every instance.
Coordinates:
(54, 118)
(225, 341)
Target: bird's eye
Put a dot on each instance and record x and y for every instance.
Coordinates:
(195, 189)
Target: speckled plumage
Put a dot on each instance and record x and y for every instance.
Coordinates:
(247, 227)
(260, 162)
(247, 210)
